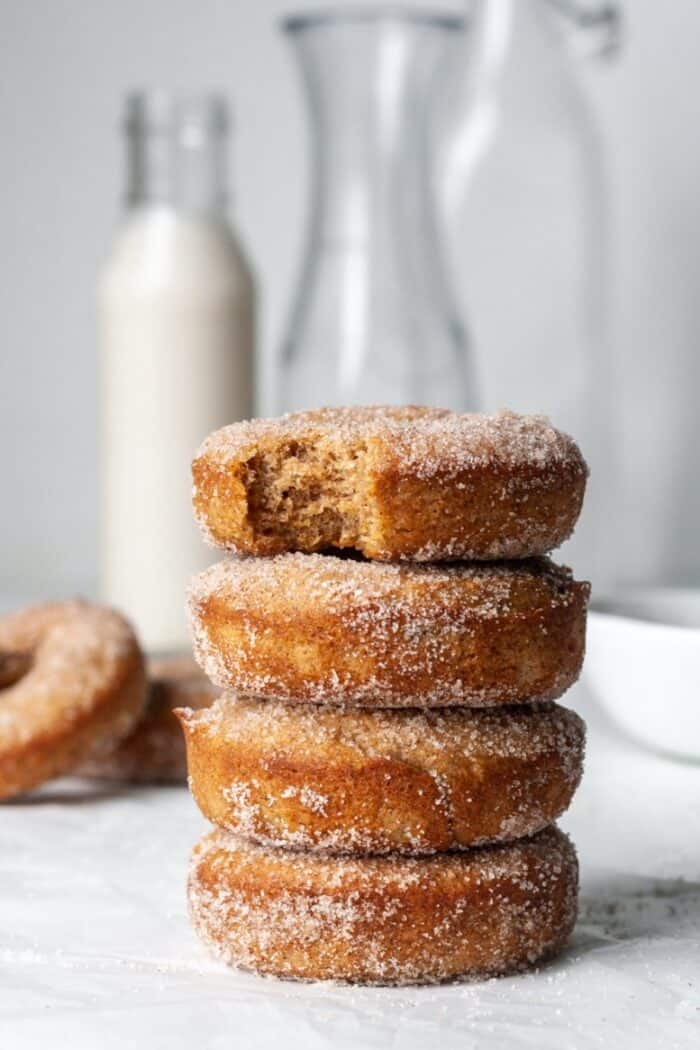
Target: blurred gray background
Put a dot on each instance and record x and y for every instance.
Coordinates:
(65, 66)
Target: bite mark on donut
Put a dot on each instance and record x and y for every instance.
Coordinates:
(306, 496)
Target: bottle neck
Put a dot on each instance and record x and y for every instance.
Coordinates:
(176, 154)
(368, 92)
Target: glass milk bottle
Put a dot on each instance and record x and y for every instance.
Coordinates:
(176, 333)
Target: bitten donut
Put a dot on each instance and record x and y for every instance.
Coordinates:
(362, 781)
(325, 629)
(384, 920)
(154, 751)
(393, 483)
(73, 683)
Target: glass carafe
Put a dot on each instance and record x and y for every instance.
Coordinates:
(524, 201)
(373, 318)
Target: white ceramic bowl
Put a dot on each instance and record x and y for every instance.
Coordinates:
(643, 666)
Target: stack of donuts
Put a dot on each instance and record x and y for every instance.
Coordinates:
(386, 763)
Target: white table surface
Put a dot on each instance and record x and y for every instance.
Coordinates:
(96, 951)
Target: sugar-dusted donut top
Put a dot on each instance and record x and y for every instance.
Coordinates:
(419, 441)
(379, 591)
(524, 733)
(532, 864)
(76, 652)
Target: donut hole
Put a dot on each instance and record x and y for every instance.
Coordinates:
(13, 667)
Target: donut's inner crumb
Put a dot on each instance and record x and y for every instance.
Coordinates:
(306, 495)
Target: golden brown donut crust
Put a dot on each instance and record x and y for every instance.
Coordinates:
(324, 629)
(381, 781)
(154, 751)
(74, 683)
(384, 920)
(393, 483)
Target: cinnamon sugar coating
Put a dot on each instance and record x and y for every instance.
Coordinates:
(323, 629)
(381, 781)
(384, 920)
(393, 483)
(154, 751)
(73, 683)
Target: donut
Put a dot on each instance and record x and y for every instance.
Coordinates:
(154, 751)
(392, 483)
(73, 682)
(384, 920)
(382, 781)
(325, 629)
